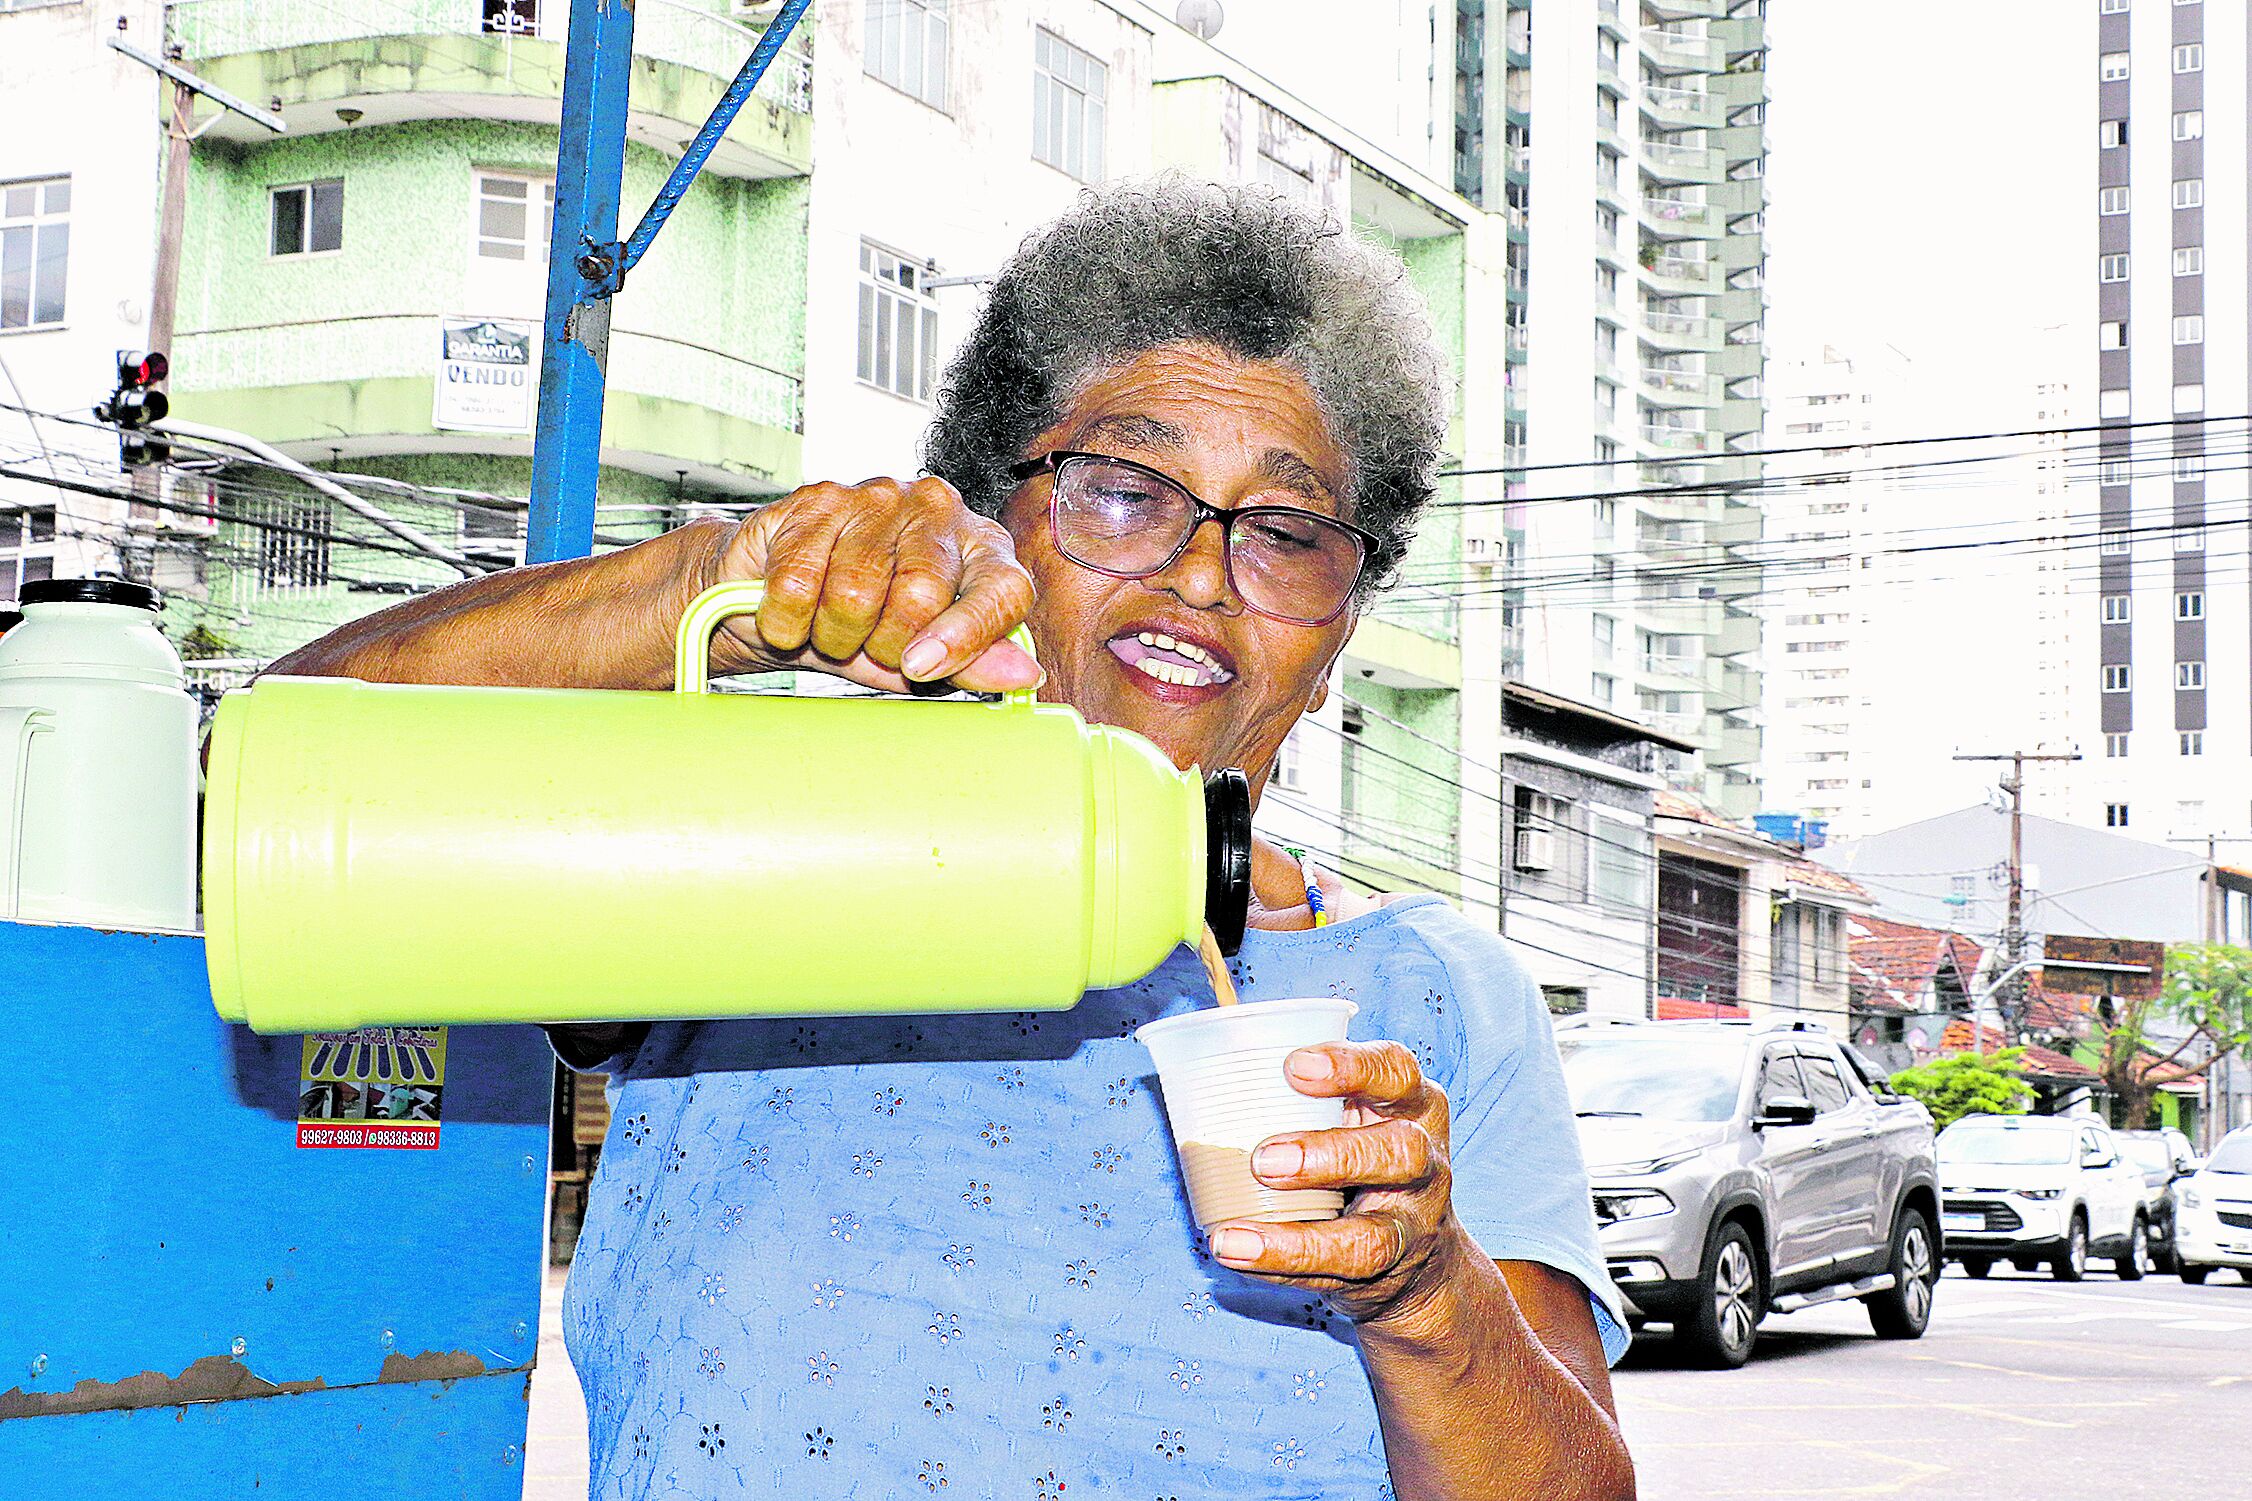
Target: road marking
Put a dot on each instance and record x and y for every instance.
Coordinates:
(2227, 1380)
(2218, 1326)
(1999, 1370)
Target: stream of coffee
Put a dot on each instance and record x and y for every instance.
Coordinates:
(1216, 967)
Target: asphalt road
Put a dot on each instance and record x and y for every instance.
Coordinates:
(2023, 1389)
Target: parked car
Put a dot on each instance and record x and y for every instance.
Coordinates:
(2166, 1157)
(2031, 1189)
(1739, 1170)
(2213, 1215)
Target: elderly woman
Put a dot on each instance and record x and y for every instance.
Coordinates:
(1188, 436)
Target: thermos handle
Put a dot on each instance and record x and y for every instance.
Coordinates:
(692, 655)
(18, 723)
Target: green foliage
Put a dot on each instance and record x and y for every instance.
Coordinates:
(2207, 995)
(1961, 1084)
(2209, 988)
(204, 643)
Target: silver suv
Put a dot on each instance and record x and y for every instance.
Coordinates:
(1741, 1169)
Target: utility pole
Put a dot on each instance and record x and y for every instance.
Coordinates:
(2011, 1002)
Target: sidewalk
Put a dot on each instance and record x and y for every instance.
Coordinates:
(555, 1450)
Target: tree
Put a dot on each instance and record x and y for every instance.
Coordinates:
(2207, 996)
(1961, 1084)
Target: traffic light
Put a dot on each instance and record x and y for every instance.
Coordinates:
(136, 403)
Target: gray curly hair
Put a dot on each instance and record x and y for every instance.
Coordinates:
(1133, 267)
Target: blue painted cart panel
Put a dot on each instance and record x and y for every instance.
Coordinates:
(165, 1231)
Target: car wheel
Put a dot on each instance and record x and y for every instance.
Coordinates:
(2025, 1264)
(2193, 1275)
(2137, 1260)
(1724, 1323)
(1977, 1266)
(2071, 1263)
(1903, 1311)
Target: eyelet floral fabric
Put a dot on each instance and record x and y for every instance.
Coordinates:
(819, 1263)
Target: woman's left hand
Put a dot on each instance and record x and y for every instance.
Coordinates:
(1398, 1235)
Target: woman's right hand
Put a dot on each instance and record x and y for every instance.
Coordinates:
(886, 584)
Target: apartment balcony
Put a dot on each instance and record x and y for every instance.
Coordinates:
(1670, 51)
(1674, 670)
(1738, 743)
(1663, 161)
(1679, 388)
(1679, 439)
(1686, 10)
(1684, 109)
(1679, 276)
(1682, 333)
(1738, 634)
(453, 60)
(1678, 219)
(1392, 655)
(1739, 687)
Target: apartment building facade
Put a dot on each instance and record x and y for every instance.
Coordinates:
(2171, 751)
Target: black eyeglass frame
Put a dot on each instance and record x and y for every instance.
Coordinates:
(1202, 510)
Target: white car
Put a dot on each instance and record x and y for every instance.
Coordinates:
(2030, 1189)
(2213, 1211)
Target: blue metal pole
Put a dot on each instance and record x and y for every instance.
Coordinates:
(583, 270)
(723, 114)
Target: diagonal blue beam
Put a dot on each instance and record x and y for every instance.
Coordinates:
(723, 114)
(582, 272)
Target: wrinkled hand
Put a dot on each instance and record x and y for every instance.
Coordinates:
(1398, 1234)
(883, 583)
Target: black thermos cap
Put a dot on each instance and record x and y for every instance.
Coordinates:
(1227, 856)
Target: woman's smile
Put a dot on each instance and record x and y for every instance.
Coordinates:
(1173, 662)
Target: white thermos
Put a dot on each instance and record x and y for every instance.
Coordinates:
(97, 761)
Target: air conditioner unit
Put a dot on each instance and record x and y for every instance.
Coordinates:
(1536, 849)
(1481, 549)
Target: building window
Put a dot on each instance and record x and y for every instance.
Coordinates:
(293, 539)
(1068, 88)
(1619, 857)
(2111, 201)
(2113, 544)
(34, 251)
(2115, 815)
(2189, 397)
(898, 349)
(2190, 605)
(307, 219)
(2117, 677)
(515, 217)
(906, 47)
(2189, 125)
(2112, 267)
(1606, 689)
(2189, 260)
(2113, 403)
(2189, 328)
(2113, 472)
(2118, 609)
(2111, 68)
(2193, 742)
(2189, 57)
(2111, 133)
(27, 548)
(2190, 539)
(2115, 746)
(2188, 471)
(2188, 675)
(2189, 192)
(1606, 637)
(1290, 768)
(2112, 334)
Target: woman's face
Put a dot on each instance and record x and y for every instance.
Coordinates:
(1233, 432)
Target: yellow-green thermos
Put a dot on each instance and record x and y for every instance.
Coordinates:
(385, 854)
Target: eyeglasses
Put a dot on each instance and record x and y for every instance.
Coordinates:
(1129, 521)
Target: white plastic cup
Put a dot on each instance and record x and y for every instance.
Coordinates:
(1225, 1092)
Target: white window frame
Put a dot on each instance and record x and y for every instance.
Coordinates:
(2111, 67)
(2189, 604)
(2111, 134)
(2189, 192)
(34, 239)
(908, 45)
(1070, 106)
(2189, 328)
(2113, 402)
(538, 203)
(2188, 676)
(2118, 609)
(308, 192)
(2192, 742)
(2118, 677)
(2112, 266)
(2190, 539)
(2189, 469)
(2189, 396)
(2189, 57)
(2115, 745)
(2113, 200)
(2113, 7)
(2114, 544)
(2189, 125)
(2114, 472)
(2112, 334)
(1290, 763)
(892, 297)
(2189, 260)
(2115, 815)
(292, 549)
(25, 556)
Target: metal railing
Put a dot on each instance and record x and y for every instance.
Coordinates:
(1666, 156)
(1679, 382)
(1680, 325)
(1677, 211)
(1680, 439)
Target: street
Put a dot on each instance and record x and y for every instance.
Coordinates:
(2024, 1390)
